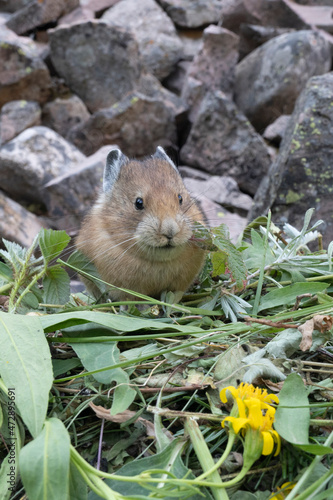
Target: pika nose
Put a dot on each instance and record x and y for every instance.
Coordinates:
(169, 228)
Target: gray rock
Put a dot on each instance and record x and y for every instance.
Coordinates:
(36, 14)
(98, 6)
(138, 124)
(269, 79)
(193, 13)
(301, 177)
(72, 194)
(277, 13)
(32, 159)
(175, 81)
(315, 15)
(213, 68)
(251, 36)
(13, 5)
(223, 190)
(16, 223)
(217, 215)
(99, 62)
(159, 44)
(223, 142)
(16, 116)
(276, 130)
(63, 114)
(23, 74)
(192, 42)
(77, 15)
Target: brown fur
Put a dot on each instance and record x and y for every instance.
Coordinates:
(142, 264)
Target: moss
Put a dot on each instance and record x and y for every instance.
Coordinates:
(292, 197)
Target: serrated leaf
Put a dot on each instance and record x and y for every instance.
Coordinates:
(25, 365)
(292, 418)
(56, 286)
(44, 463)
(218, 261)
(52, 243)
(81, 263)
(234, 259)
(288, 294)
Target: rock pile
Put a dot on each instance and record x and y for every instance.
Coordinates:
(205, 79)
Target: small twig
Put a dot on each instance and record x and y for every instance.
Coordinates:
(268, 322)
(298, 300)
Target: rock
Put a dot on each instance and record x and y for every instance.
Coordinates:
(23, 74)
(316, 15)
(98, 6)
(77, 15)
(222, 190)
(175, 81)
(213, 68)
(63, 114)
(32, 159)
(301, 177)
(191, 41)
(269, 79)
(159, 44)
(16, 116)
(315, 2)
(275, 132)
(276, 13)
(72, 194)
(193, 13)
(223, 142)
(252, 36)
(107, 63)
(16, 223)
(138, 124)
(37, 13)
(13, 5)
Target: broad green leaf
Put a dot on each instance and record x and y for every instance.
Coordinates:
(234, 260)
(78, 489)
(255, 254)
(218, 261)
(6, 274)
(292, 418)
(44, 463)
(97, 356)
(169, 460)
(56, 286)
(316, 449)
(288, 294)
(25, 366)
(52, 243)
(62, 366)
(116, 322)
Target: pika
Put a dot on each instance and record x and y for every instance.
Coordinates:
(138, 233)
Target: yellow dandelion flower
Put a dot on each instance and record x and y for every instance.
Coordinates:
(246, 391)
(282, 492)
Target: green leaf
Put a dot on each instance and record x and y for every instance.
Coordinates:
(168, 460)
(52, 243)
(78, 489)
(25, 366)
(218, 261)
(316, 449)
(6, 274)
(62, 366)
(255, 254)
(44, 463)
(78, 260)
(56, 286)
(292, 418)
(115, 322)
(234, 260)
(97, 356)
(288, 294)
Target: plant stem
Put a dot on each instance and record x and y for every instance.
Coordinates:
(307, 474)
(218, 464)
(262, 269)
(205, 458)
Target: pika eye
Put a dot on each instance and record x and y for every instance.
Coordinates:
(139, 204)
(180, 198)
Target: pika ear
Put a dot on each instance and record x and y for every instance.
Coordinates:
(114, 161)
(160, 154)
